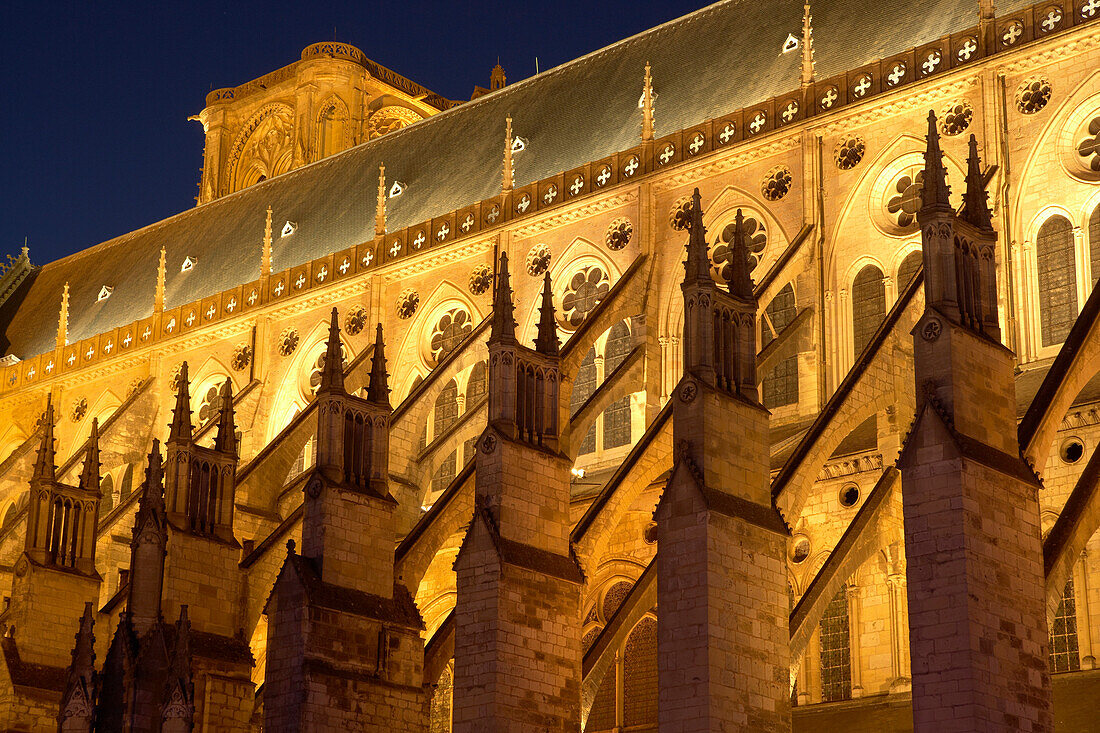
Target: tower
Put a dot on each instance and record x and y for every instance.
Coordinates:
(977, 623)
(518, 583)
(722, 630)
(342, 631)
(57, 567)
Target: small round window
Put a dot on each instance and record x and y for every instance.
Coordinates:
(800, 548)
(1072, 450)
(849, 495)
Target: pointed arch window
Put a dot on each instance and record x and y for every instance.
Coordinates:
(908, 268)
(1064, 653)
(868, 306)
(640, 675)
(616, 418)
(836, 650)
(780, 383)
(1054, 259)
(583, 387)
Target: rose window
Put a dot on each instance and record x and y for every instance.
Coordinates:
(481, 279)
(777, 183)
(319, 366)
(618, 234)
(242, 357)
(1089, 148)
(1033, 95)
(288, 342)
(905, 202)
(211, 404)
(756, 238)
(538, 260)
(452, 327)
(956, 118)
(585, 291)
(679, 218)
(355, 321)
(407, 303)
(80, 409)
(849, 152)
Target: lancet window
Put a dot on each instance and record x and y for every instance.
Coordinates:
(780, 383)
(1054, 258)
(868, 306)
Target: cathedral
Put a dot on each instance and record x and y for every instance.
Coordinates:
(743, 375)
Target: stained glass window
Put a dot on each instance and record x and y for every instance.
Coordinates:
(836, 651)
(1057, 279)
(868, 306)
(1064, 656)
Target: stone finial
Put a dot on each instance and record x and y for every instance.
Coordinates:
(740, 269)
(45, 465)
(265, 256)
(509, 173)
(162, 274)
(547, 340)
(84, 649)
(89, 475)
(497, 79)
(380, 205)
(647, 104)
(226, 440)
(936, 195)
(976, 200)
(697, 265)
(181, 427)
(378, 391)
(807, 46)
(63, 319)
(332, 373)
(152, 495)
(503, 327)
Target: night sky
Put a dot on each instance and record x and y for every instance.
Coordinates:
(96, 99)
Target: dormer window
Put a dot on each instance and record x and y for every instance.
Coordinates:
(791, 44)
(519, 144)
(397, 189)
(104, 293)
(289, 228)
(188, 264)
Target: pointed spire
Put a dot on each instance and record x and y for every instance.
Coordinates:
(380, 206)
(226, 440)
(647, 104)
(503, 324)
(740, 269)
(265, 256)
(379, 391)
(181, 415)
(152, 495)
(332, 373)
(936, 194)
(547, 340)
(80, 680)
(807, 46)
(509, 173)
(697, 266)
(162, 274)
(976, 199)
(179, 687)
(45, 467)
(63, 319)
(89, 476)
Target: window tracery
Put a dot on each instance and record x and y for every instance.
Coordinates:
(836, 651)
(288, 342)
(450, 329)
(355, 321)
(584, 292)
(679, 217)
(407, 303)
(319, 367)
(618, 234)
(210, 404)
(849, 152)
(79, 409)
(905, 199)
(1033, 95)
(1064, 653)
(956, 117)
(756, 239)
(777, 183)
(1089, 148)
(538, 260)
(481, 279)
(390, 118)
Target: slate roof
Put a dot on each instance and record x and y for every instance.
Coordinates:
(705, 64)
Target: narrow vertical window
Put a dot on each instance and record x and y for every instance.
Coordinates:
(868, 306)
(1064, 656)
(616, 418)
(780, 383)
(908, 268)
(1057, 279)
(836, 650)
(1094, 243)
(583, 387)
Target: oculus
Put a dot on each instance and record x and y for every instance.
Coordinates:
(538, 260)
(407, 303)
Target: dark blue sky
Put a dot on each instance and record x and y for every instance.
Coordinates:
(96, 95)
